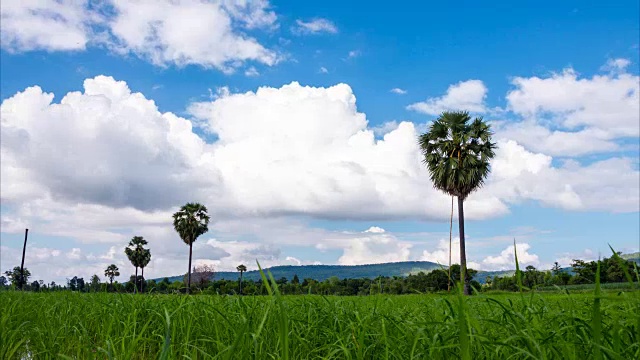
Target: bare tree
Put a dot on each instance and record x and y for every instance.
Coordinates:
(201, 275)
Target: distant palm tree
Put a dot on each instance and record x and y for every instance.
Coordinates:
(241, 268)
(190, 222)
(135, 253)
(145, 258)
(111, 272)
(457, 152)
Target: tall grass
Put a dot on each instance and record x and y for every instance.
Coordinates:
(495, 326)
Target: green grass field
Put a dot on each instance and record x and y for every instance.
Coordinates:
(493, 326)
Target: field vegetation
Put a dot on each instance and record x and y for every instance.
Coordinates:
(599, 324)
(492, 326)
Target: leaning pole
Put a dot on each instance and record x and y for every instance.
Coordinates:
(24, 249)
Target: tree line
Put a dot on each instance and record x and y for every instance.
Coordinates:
(613, 270)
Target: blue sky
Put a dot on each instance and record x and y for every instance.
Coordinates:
(292, 173)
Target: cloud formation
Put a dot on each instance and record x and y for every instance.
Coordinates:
(211, 34)
(466, 95)
(568, 115)
(308, 151)
(45, 25)
(106, 160)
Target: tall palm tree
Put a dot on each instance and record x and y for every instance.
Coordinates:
(135, 251)
(241, 268)
(145, 258)
(457, 152)
(190, 222)
(111, 272)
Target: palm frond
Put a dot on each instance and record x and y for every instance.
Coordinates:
(457, 152)
(191, 221)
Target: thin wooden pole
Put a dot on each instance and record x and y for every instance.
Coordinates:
(450, 231)
(24, 249)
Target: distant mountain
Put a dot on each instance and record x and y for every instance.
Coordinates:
(482, 276)
(371, 271)
(633, 257)
(323, 272)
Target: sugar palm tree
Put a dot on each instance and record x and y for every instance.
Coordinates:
(145, 258)
(135, 252)
(241, 268)
(111, 272)
(457, 152)
(190, 222)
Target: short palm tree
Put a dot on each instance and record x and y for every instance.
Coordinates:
(190, 222)
(241, 268)
(135, 252)
(111, 272)
(457, 152)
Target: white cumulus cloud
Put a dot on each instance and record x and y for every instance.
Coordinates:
(107, 161)
(466, 95)
(506, 260)
(184, 33)
(588, 115)
(45, 25)
(440, 255)
(207, 33)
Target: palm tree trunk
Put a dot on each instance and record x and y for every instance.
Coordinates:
(240, 282)
(450, 231)
(463, 254)
(135, 282)
(111, 283)
(141, 282)
(189, 276)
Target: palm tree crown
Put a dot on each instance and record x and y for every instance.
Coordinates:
(191, 221)
(135, 250)
(457, 152)
(241, 268)
(111, 272)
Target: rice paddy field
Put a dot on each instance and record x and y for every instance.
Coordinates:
(561, 325)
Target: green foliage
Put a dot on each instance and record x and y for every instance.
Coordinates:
(15, 276)
(112, 272)
(136, 252)
(76, 284)
(497, 326)
(613, 274)
(191, 221)
(457, 152)
(94, 285)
